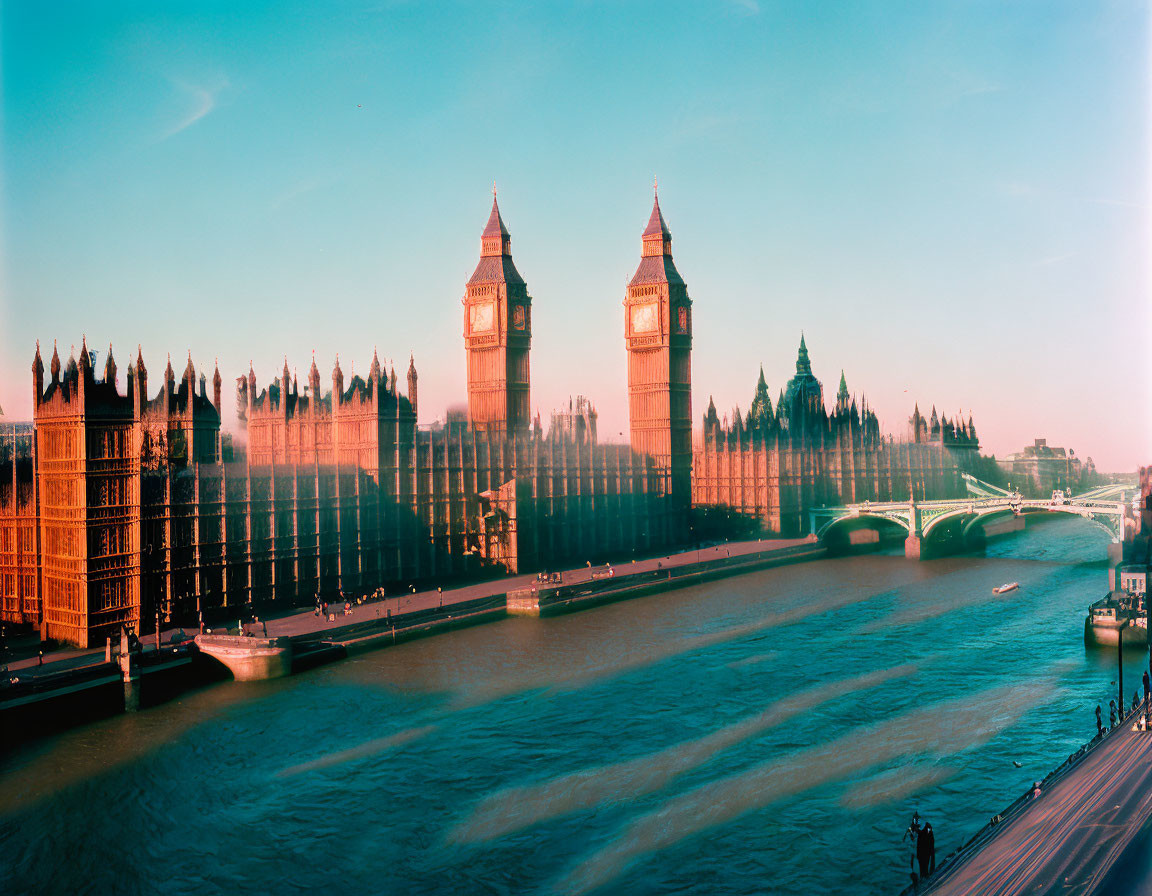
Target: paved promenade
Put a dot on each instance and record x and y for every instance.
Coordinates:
(1067, 839)
(305, 622)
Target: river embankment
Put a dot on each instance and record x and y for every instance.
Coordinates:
(44, 698)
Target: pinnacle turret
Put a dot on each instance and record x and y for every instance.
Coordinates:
(803, 365)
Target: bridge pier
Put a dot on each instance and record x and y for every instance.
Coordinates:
(913, 543)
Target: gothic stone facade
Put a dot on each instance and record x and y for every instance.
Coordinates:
(775, 465)
(116, 507)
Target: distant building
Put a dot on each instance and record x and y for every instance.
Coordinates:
(1134, 579)
(1040, 468)
(577, 423)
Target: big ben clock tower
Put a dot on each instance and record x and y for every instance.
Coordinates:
(658, 336)
(497, 335)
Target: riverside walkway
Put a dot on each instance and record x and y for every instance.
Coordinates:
(401, 609)
(1067, 839)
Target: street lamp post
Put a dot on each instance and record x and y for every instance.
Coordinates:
(1120, 666)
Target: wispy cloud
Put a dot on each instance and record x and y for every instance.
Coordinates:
(203, 100)
(1054, 259)
(746, 7)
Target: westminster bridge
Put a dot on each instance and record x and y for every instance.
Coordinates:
(940, 523)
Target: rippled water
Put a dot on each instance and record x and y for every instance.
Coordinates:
(767, 733)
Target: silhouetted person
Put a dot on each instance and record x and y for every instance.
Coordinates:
(926, 851)
(1111, 713)
(41, 653)
(913, 834)
(1099, 722)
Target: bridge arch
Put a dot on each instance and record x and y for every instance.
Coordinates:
(977, 516)
(839, 524)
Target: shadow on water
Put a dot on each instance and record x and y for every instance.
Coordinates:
(724, 738)
(941, 730)
(522, 807)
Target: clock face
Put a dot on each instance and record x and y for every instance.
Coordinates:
(645, 318)
(481, 318)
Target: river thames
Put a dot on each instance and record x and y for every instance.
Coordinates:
(768, 733)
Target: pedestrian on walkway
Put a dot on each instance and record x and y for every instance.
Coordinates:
(926, 851)
(1111, 713)
(913, 835)
(1099, 722)
(324, 608)
(41, 653)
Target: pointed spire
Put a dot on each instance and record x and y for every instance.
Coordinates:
(314, 380)
(140, 368)
(71, 371)
(374, 370)
(412, 383)
(55, 362)
(85, 358)
(110, 367)
(761, 383)
(656, 224)
(495, 225)
(803, 365)
(842, 397)
(217, 386)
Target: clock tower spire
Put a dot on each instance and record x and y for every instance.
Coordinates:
(497, 334)
(658, 338)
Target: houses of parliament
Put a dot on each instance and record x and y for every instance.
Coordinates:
(117, 505)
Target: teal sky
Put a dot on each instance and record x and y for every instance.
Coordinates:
(950, 199)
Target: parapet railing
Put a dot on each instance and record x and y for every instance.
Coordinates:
(955, 859)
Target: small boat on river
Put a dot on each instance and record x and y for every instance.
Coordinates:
(249, 658)
(1003, 589)
(1117, 614)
